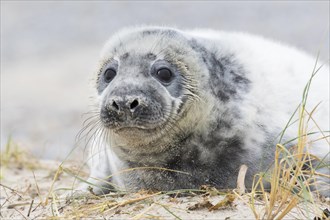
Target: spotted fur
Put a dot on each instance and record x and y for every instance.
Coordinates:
(231, 97)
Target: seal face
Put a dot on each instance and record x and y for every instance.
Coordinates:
(128, 105)
(188, 108)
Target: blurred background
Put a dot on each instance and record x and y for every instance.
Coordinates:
(49, 51)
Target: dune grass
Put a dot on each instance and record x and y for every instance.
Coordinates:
(293, 178)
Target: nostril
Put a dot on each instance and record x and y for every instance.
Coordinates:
(134, 104)
(114, 104)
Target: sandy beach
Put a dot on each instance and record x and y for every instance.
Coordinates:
(39, 189)
(49, 52)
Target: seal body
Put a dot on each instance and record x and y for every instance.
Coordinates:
(179, 109)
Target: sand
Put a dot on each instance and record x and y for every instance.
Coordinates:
(26, 185)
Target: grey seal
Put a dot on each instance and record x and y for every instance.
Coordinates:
(180, 109)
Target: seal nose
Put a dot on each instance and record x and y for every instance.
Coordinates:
(115, 105)
(122, 105)
(121, 110)
(134, 104)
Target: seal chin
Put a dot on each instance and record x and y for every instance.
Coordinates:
(136, 134)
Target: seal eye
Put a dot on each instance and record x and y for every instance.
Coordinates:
(109, 74)
(164, 75)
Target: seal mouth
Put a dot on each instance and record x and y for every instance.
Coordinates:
(130, 127)
(134, 126)
(133, 131)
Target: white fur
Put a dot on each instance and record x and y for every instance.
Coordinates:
(278, 75)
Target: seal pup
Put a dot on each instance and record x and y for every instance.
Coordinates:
(179, 109)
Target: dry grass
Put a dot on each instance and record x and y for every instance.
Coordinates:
(14, 155)
(293, 177)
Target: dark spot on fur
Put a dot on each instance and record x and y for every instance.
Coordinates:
(124, 56)
(155, 31)
(227, 77)
(151, 56)
(150, 32)
(238, 79)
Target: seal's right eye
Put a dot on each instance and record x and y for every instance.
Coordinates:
(109, 74)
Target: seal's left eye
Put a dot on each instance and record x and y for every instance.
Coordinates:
(165, 75)
(109, 74)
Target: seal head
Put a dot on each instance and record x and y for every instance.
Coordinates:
(147, 91)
